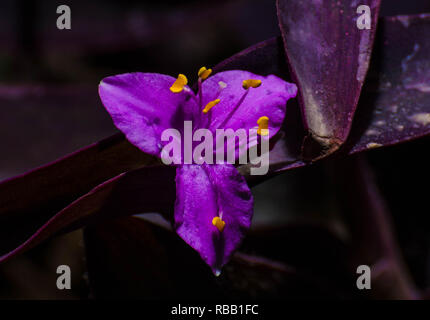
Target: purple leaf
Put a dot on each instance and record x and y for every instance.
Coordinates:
(143, 190)
(395, 104)
(29, 200)
(329, 57)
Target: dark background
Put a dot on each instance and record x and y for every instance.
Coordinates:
(49, 107)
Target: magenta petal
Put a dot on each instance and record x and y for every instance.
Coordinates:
(269, 100)
(142, 106)
(202, 192)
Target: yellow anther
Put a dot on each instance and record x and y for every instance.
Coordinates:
(251, 83)
(263, 126)
(204, 73)
(179, 84)
(217, 222)
(210, 105)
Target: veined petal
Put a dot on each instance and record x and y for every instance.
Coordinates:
(142, 107)
(203, 193)
(269, 100)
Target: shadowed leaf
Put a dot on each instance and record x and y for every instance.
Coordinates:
(29, 200)
(143, 190)
(395, 104)
(133, 258)
(372, 240)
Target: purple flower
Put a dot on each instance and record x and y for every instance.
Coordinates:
(214, 205)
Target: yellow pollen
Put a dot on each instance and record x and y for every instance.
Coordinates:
(179, 84)
(210, 105)
(251, 83)
(263, 126)
(217, 222)
(204, 73)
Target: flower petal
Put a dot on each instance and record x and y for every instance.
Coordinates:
(142, 106)
(202, 193)
(269, 99)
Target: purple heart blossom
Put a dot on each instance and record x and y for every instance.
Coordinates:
(214, 205)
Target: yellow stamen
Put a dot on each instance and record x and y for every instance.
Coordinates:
(179, 84)
(263, 126)
(204, 73)
(251, 83)
(217, 222)
(210, 105)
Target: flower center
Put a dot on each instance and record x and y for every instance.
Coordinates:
(203, 73)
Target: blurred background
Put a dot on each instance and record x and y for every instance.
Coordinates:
(49, 107)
